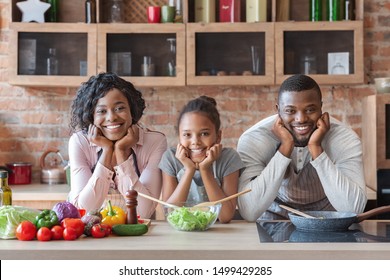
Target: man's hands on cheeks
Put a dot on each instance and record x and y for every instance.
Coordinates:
(285, 137)
(96, 136)
(323, 126)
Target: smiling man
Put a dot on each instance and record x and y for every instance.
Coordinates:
(300, 157)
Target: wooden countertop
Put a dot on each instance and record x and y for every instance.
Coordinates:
(237, 240)
(44, 192)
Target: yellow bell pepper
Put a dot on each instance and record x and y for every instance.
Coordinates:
(113, 215)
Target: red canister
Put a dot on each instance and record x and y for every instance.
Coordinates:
(20, 173)
(229, 10)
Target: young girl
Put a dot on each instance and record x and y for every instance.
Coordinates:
(109, 151)
(199, 169)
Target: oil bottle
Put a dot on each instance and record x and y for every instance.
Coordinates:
(5, 190)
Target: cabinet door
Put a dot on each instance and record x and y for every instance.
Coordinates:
(75, 52)
(230, 54)
(332, 53)
(163, 43)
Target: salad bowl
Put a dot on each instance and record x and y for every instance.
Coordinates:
(192, 218)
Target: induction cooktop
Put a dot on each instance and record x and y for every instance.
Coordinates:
(285, 231)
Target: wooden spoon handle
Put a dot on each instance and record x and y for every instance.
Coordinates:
(296, 211)
(157, 200)
(209, 203)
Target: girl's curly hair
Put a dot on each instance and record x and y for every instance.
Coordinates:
(87, 96)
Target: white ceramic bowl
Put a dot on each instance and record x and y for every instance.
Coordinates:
(189, 218)
(382, 85)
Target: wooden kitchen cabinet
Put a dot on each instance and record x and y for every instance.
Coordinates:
(375, 136)
(221, 53)
(140, 40)
(206, 53)
(75, 51)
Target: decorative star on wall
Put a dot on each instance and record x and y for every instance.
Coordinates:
(33, 10)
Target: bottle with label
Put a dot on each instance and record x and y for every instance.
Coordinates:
(52, 62)
(315, 10)
(90, 11)
(51, 15)
(332, 10)
(5, 190)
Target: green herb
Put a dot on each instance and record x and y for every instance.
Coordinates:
(187, 219)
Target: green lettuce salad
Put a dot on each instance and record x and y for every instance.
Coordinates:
(187, 219)
(11, 217)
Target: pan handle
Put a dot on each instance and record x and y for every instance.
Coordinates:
(372, 212)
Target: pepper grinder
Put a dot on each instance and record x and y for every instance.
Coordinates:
(131, 204)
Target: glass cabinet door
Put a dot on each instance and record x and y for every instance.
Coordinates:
(230, 54)
(331, 54)
(46, 56)
(145, 54)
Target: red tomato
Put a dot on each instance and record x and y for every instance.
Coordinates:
(25, 231)
(107, 229)
(44, 234)
(70, 234)
(75, 223)
(98, 231)
(57, 232)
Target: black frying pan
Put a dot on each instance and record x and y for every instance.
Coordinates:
(333, 220)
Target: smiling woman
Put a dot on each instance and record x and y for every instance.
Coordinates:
(110, 151)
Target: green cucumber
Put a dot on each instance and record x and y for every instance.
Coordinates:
(130, 229)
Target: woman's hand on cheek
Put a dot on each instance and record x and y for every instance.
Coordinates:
(183, 156)
(212, 154)
(96, 137)
(129, 140)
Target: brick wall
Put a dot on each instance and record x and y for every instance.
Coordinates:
(35, 119)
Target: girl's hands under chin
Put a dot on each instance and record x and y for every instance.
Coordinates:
(129, 140)
(182, 155)
(96, 136)
(212, 155)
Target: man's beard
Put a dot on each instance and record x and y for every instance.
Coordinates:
(300, 142)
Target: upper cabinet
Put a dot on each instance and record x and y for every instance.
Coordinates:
(329, 51)
(210, 42)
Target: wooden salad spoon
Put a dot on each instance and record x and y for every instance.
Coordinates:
(210, 203)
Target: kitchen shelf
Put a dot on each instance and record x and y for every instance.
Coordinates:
(219, 50)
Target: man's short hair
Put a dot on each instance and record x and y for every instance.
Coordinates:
(299, 83)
